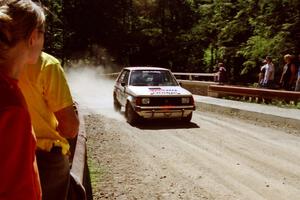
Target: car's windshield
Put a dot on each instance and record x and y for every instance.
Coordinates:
(152, 78)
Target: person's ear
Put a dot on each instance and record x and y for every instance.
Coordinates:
(33, 37)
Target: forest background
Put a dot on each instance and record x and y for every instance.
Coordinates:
(182, 35)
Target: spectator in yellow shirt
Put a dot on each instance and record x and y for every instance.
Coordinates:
(54, 121)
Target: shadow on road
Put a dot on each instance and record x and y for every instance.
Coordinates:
(156, 124)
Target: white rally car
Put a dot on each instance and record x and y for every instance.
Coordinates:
(151, 92)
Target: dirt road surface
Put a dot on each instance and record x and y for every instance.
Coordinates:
(213, 157)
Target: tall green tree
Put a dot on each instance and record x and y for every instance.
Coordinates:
(54, 31)
(184, 35)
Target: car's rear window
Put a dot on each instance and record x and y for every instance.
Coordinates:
(152, 78)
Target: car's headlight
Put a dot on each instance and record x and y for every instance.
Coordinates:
(185, 100)
(145, 101)
(141, 101)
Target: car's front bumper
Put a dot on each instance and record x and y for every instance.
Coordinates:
(164, 111)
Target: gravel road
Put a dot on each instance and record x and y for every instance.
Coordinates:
(214, 157)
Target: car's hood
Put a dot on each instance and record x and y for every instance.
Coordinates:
(158, 91)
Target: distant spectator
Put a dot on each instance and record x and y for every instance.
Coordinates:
(262, 73)
(268, 81)
(221, 73)
(288, 76)
(297, 63)
(216, 72)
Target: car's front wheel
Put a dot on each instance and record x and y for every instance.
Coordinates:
(131, 116)
(117, 105)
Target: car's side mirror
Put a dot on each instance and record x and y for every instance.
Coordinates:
(123, 84)
(180, 84)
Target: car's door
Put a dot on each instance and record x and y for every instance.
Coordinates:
(124, 86)
(120, 87)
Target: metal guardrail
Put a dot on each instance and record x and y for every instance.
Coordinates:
(110, 74)
(80, 188)
(217, 90)
(206, 88)
(191, 75)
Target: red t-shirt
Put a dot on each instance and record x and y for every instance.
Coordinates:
(18, 178)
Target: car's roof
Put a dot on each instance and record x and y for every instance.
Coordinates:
(145, 68)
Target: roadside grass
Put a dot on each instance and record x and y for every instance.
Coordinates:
(96, 171)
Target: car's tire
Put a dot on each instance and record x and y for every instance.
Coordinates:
(131, 116)
(187, 118)
(117, 105)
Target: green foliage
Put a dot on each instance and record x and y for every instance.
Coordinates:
(248, 65)
(185, 35)
(208, 55)
(54, 32)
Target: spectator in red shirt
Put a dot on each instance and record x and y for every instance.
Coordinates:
(21, 41)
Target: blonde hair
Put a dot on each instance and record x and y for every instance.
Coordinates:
(287, 56)
(18, 18)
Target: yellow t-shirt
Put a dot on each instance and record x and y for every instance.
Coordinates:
(46, 91)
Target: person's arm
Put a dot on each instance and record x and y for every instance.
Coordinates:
(282, 74)
(293, 73)
(59, 99)
(68, 122)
